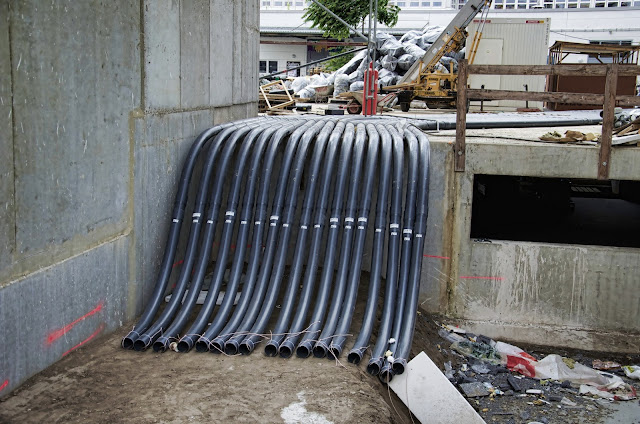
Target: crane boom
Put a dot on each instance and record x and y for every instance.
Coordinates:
(448, 38)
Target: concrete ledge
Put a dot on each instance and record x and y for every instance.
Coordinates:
(575, 338)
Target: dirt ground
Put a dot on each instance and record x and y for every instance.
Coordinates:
(102, 382)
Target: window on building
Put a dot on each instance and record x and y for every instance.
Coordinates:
(437, 4)
(273, 66)
(401, 3)
(426, 4)
(263, 66)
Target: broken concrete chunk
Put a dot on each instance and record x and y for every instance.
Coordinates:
(514, 383)
(474, 389)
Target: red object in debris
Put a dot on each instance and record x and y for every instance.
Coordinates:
(370, 97)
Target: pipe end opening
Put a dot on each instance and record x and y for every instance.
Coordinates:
(127, 343)
(302, 352)
(386, 376)
(230, 348)
(184, 346)
(160, 346)
(398, 367)
(319, 351)
(334, 353)
(354, 358)
(245, 349)
(373, 368)
(216, 347)
(271, 350)
(285, 352)
(201, 346)
(139, 346)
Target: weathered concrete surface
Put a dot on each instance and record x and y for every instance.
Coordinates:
(554, 294)
(7, 206)
(98, 105)
(49, 312)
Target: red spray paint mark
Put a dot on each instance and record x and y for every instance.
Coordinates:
(56, 334)
(177, 264)
(437, 257)
(5, 384)
(94, 334)
(473, 277)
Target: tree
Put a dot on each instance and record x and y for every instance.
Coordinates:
(353, 12)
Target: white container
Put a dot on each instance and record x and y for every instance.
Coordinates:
(507, 41)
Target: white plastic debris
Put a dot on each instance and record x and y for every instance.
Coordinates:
(392, 340)
(632, 371)
(390, 359)
(388, 353)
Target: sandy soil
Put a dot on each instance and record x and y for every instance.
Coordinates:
(102, 382)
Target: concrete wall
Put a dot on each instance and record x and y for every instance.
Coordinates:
(584, 297)
(99, 103)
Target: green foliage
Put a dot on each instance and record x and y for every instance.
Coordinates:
(353, 12)
(337, 62)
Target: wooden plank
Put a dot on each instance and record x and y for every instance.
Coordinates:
(559, 97)
(604, 157)
(564, 70)
(461, 117)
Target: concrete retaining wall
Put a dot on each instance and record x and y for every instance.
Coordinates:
(583, 297)
(99, 103)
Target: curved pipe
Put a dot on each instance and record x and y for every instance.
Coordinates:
(145, 339)
(322, 298)
(273, 346)
(211, 219)
(177, 216)
(349, 304)
(322, 344)
(262, 133)
(247, 345)
(380, 225)
(301, 249)
(393, 256)
(232, 346)
(214, 341)
(407, 233)
(422, 208)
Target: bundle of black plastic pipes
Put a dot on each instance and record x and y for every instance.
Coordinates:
(321, 177)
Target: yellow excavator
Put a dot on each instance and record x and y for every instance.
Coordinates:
(423, 81)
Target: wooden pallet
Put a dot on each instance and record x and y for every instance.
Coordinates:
(270, 103)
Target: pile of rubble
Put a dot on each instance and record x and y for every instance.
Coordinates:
(503, 381)
(393, 59)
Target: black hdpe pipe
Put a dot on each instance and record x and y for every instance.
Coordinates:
(177, 216)
(322, 344)
(232, 345)
(393, 257)
(322, 298)
(248, 344)
(211, 219)
(380, 229)
(422, 208)
(302, 252)
(215, 342)
(193, 333)
(313, 254)
(145, 339)
(366, 190)
(386, 373)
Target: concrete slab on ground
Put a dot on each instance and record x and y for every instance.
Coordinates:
(430, 396)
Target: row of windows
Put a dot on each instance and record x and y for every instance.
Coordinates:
(457, 4)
